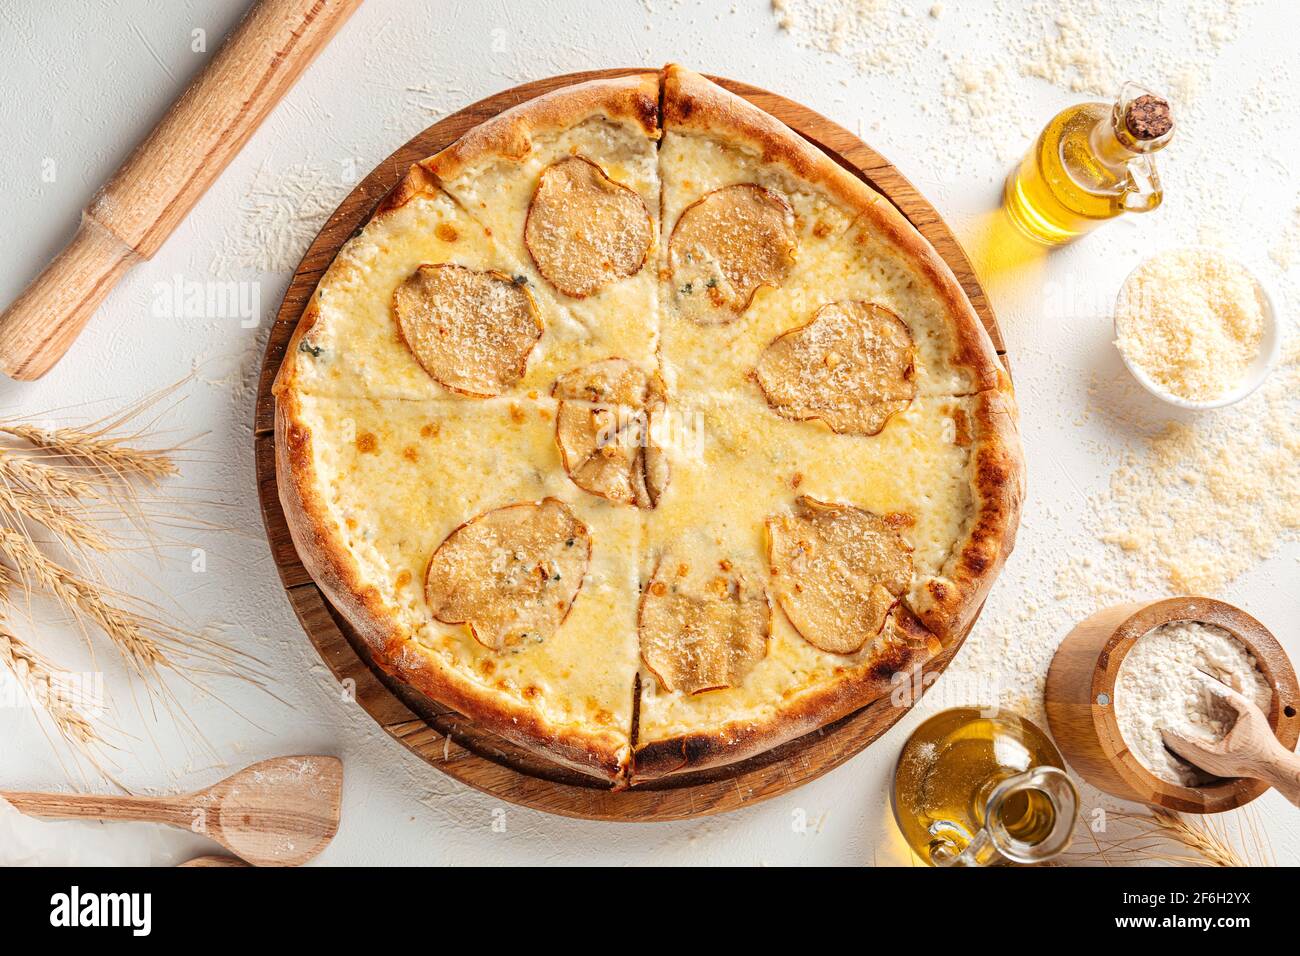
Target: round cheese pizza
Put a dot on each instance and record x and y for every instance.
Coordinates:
(634, 428)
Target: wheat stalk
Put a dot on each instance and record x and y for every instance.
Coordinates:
(1161, 835)
(87, 600)
(66, 479)
(1200, 837)
(21, 503)
(108, 456)
(43, 478)
(42, 682)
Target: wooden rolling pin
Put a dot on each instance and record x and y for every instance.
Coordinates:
(279, 812)
(135, 212)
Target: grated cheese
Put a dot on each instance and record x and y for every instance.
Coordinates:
(1193, 320)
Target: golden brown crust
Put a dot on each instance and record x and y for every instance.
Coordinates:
(693, 104)
(328, 561)
(910, 647)
(997, 475)
(508, 136)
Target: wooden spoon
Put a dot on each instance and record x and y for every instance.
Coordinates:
(1248, 750)
(164, 177)
(279, 812)
(215, 861)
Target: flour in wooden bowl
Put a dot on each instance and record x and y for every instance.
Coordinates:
(1158, 688)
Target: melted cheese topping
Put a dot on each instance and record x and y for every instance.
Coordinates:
(738, 462)
(398, 477)
(617, 320)
(838, 260)
(400, 462)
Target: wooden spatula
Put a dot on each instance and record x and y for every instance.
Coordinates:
(279, 812)
(1248, 750)
(149, 195)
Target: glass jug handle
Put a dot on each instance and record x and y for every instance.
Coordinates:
(994, 844)
(1140, 196)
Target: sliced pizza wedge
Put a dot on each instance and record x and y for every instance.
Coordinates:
(476, 572)
(568, 185)
(763, 230)
(420, 304)
(873, 551)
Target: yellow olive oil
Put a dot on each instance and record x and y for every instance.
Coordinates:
(977, 789)
(1091, 163)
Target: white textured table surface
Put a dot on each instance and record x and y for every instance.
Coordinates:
(950, 92)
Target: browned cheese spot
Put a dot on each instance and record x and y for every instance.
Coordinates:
(584, 230)
(471, 330)
(837, 571)
(725, 246)
(853, 366)
(511, 574)
(605, 427)
(704, 631)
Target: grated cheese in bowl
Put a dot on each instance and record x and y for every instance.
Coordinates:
(1195, 328)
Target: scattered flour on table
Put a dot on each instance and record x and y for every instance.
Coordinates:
(279, 216)
(1205, 499)
(1159, 687)
(1188, 509)
(1080, 46)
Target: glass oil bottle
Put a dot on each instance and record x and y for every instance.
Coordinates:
(978, 790)
(1092, 162)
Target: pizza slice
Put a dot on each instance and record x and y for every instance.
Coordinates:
(476, 571)
(419, 263)
(568, 186)
(862, 549)
(764, 230)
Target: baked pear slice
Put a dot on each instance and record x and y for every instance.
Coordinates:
(472, 331)
(584, 230)
(605, 429)
(702, 626)
(726, 245)
(853, 366)
(510, 574)
(837, 571)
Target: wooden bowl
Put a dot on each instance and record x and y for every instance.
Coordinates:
(1080, 700)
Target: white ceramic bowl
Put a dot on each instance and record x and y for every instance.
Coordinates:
(1270, 349)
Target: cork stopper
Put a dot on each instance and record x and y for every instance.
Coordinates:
(1148, 117)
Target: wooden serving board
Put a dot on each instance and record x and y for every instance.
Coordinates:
(444, 738)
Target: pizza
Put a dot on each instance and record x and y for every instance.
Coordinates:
(634, 428)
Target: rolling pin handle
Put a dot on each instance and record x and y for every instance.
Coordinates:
(42, 322)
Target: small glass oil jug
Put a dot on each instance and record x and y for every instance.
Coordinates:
(978, 790)
(1091, 163)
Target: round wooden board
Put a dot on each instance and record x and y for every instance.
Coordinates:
(444, 738)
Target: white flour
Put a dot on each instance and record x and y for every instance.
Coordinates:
(1159, 688)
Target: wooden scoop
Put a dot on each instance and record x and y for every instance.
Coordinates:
(279, 812)
(149, 195)
(1248, 750)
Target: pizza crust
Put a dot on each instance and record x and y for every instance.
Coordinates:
(949, 603)
(962, 390)
(903, 648)
(391, 642)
